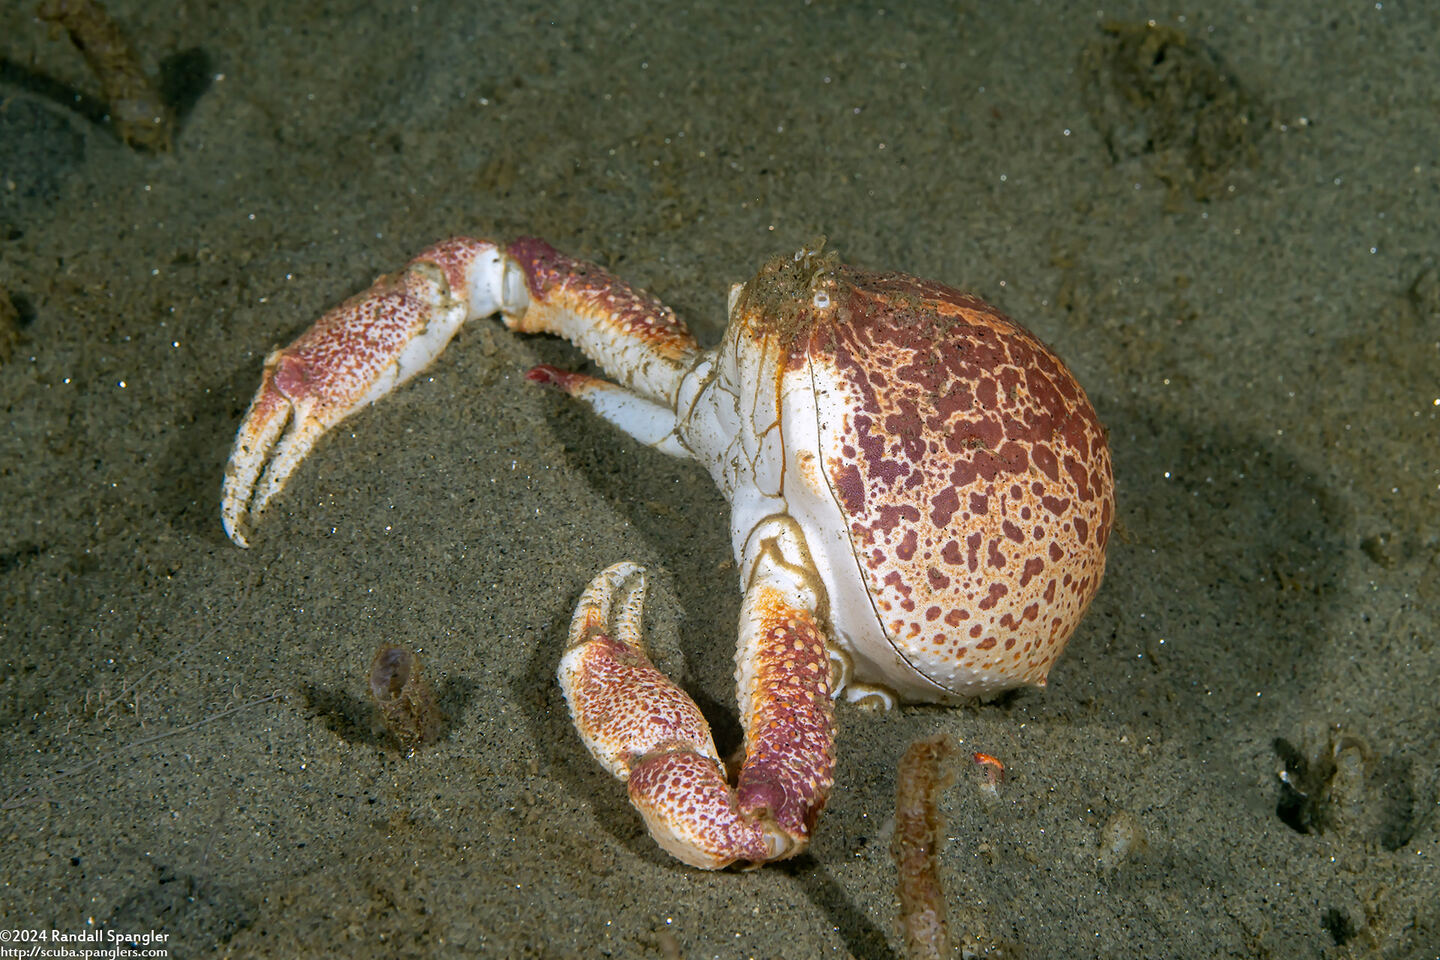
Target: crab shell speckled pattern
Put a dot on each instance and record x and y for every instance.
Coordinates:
(972, 473)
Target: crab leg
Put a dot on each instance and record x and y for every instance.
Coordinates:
(647, 421)
(649, 733)
(365, 347)
(636, 338)
(353, 355)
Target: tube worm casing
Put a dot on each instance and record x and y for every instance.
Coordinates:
(916, 848)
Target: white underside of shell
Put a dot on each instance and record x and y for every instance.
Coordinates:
(763, 451)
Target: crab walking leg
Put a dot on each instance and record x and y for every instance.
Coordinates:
(353, 355)
(647, 421)
(648, 732)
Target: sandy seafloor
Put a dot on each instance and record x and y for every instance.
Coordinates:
(1265, 350)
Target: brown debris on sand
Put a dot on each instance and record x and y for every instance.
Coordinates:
(138, 113)
(406, 704)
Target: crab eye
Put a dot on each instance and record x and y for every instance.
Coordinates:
(821, 300)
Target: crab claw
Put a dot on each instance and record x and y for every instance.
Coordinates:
(352, 356)
(648, 732)
(370, 344)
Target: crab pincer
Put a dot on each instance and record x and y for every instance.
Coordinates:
(367, 346)
(354, 354)
(649, 733)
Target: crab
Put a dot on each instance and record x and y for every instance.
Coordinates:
(921, 495)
